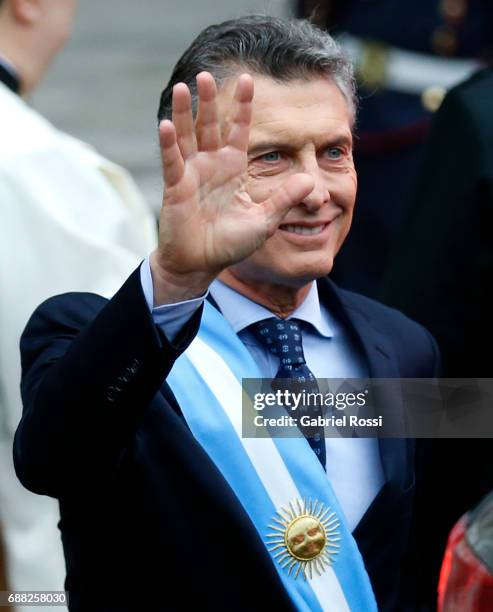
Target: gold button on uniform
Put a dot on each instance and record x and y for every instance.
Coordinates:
(432, 97)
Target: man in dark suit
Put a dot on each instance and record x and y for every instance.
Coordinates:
(441, 275)
(138, 399)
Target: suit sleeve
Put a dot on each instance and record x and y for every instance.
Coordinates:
(90, 370)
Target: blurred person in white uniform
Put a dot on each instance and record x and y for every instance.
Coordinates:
(70, 221)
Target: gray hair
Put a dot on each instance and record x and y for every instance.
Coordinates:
(279, 48)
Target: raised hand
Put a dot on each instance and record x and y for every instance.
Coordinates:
(208, 220)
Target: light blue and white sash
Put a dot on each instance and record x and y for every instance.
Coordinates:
(266, 474)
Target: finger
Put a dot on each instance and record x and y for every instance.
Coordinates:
(239, 131)
(291, 193)
(183, 120)
(173, 164)
(207, 124)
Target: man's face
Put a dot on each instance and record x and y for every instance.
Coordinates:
(299, 126)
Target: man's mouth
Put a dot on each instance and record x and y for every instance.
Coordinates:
(303, 230)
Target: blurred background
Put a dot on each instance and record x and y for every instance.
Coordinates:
(104, 87)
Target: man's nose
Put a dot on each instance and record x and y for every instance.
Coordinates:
(320, 193)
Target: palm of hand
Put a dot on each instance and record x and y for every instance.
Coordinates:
(208, 220)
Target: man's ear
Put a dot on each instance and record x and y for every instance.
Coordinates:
(25, 12)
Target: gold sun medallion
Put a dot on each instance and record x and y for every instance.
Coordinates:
(305, 538)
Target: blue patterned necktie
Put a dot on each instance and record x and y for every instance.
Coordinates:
(283, 338)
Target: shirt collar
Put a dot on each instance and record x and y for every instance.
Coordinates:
(240, 311)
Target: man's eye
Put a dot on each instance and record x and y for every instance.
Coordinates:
(271, 157)
(334, 153)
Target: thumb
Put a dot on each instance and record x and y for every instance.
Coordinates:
(291, 193)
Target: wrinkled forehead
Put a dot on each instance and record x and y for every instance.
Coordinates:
(271, 95)
(315, 97)
(292, 113)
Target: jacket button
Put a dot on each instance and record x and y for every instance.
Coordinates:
(134, 366)
(112, 393)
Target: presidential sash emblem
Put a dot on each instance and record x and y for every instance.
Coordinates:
(305, 538)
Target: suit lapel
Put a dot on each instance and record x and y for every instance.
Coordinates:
(382, 362)
(395, 453)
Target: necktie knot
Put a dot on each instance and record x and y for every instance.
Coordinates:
(283, 339)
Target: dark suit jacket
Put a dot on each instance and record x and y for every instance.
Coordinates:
(441, 275)
(144, 511)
